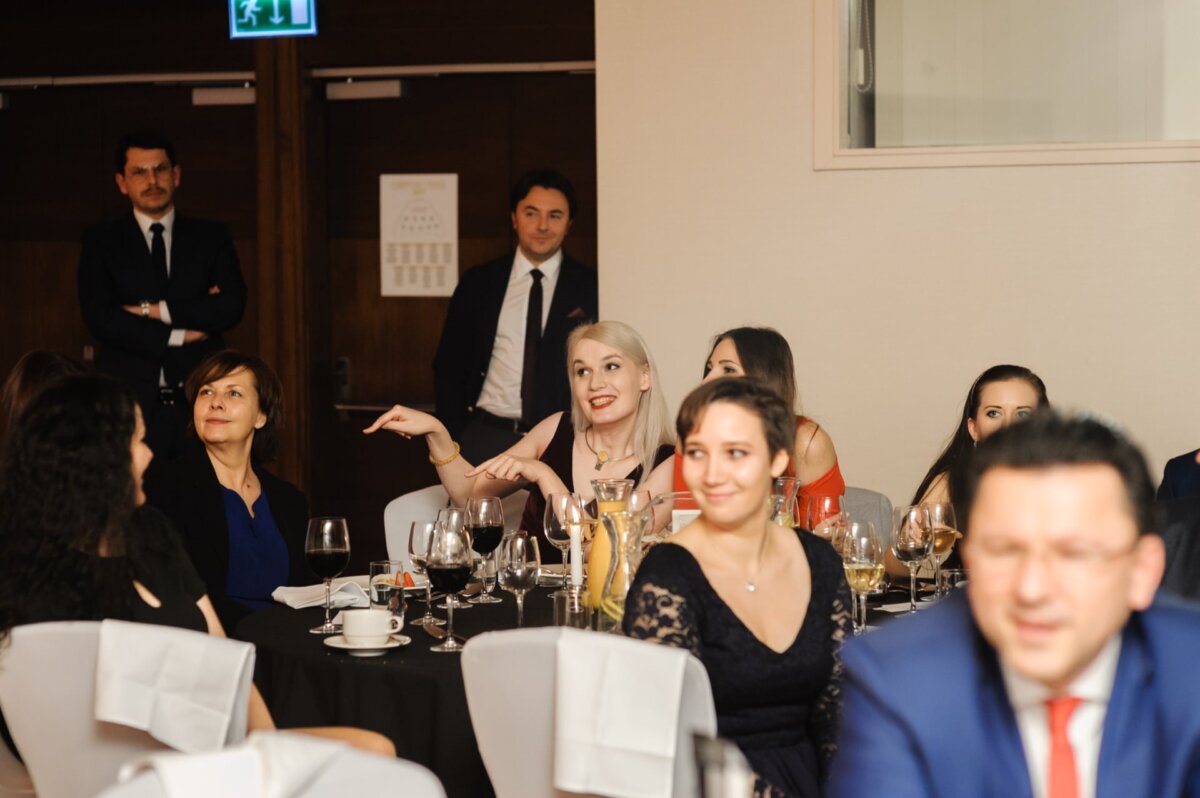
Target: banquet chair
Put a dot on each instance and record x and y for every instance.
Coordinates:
(48, 697)
(423, 505)
(350, 773)
(510, 680)
(869, 505)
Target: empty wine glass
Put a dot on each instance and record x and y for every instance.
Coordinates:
(827, 518)
(485, 522)
(327, 549)
(449, 568)
(387, 591)
(419, 535)
(455, 518)
(862, 559)
(520, 563)
(945, 532)
(912, 542)
(564, 516)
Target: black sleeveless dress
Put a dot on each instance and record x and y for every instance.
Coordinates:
(558, 456)
(779, 708)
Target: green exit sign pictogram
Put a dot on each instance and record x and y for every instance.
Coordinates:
(254, 18)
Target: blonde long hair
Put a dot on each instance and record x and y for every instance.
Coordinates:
(652, 425)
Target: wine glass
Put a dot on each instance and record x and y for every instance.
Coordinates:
(945, 532)
(519, 566)
(862, 559)
(456, 518)
(827, 518)
(485, 522)
(327, 549)
(565, 516)
(449, 567)
(419, 535)
(912, 542)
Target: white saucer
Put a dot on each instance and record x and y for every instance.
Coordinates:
(366, 650)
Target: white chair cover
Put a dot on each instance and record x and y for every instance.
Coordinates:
(423, 505)
(869, 505)
(511, 682)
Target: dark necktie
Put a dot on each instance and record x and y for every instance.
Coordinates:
(158, 249)
(533, 337)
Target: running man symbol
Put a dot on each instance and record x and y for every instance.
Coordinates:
(250, 11)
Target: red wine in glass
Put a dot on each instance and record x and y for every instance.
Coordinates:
(448, 579)
(486, 537)
(328, 563)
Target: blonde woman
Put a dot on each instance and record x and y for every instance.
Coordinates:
(617, 427)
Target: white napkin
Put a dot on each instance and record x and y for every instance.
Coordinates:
(268, 765)
(616, 715)
(187, 689)
(346, 592)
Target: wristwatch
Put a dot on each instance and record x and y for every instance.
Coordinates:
(145, 309)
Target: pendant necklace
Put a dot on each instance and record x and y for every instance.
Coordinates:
(602, 455)
(751, 583)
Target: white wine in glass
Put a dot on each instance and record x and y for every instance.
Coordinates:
(862, 559)
(945, 533)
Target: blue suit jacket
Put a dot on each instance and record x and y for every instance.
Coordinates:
(925, 712)
(1181, 477)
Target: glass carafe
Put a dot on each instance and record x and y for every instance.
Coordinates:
(612, 496)
(624, 533)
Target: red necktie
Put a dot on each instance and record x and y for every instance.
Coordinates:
(1063, 781)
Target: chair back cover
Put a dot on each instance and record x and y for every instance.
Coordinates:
(423, 505)
(870, 505)
(510, 680)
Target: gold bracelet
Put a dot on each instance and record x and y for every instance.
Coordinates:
(448, 460)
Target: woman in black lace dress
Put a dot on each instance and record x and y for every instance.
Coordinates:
(764, 607)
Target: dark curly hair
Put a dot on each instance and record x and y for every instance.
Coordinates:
(71, 536)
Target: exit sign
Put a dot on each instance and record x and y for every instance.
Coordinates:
(254, 18)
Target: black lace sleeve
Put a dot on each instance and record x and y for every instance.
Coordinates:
(829, 581)
(657, 607)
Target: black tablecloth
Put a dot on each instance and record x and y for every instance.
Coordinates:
(410, 694)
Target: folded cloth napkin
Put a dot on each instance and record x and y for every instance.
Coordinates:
(187, 689)
(267, 765)
(616, 715)
(345, 592)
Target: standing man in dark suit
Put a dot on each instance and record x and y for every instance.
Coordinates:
(1056, 673)
(1181, 477)
(501, 363)
(157, 288)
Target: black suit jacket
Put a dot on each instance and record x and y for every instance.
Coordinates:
(186, 490)
(1181, 536)
(1181, 477)
(115, 269)
(465, 350)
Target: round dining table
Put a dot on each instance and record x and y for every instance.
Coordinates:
(410, 694)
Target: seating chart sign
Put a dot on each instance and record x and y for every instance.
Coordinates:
(418, 234)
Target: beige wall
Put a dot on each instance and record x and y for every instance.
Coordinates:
(895, 287)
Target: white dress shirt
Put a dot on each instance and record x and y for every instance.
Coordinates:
(501, 392)
(168, 223)
(1084, 729)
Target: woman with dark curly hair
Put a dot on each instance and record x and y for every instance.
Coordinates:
(242, 526)
(76, 539)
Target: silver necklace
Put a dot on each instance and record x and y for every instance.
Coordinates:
(751, 583)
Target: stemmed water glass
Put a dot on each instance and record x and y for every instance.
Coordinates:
(449, 567)
(783, 501)
(327, 549)
(455, 518)
(912, 542)
(564, 515)
(419, 536)
(485, 522)
(945, 532)
(520, 563)
(862, 559)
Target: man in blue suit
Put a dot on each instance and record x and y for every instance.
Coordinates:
(1055, 674)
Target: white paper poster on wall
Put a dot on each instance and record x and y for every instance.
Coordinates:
(418, 234)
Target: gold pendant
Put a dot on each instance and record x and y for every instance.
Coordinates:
(601, 459)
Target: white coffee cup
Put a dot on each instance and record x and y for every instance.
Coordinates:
(370, 627)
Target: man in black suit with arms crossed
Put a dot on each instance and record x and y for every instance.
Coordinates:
(157, 288)
(501, 363)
